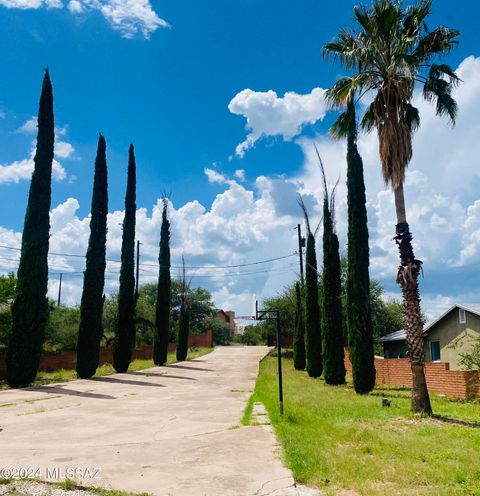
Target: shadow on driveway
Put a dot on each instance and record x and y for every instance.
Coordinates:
(162, 374)
(70, 392)
(185, 367)
(116, 380)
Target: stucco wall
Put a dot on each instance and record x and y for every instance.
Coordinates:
(455, 338)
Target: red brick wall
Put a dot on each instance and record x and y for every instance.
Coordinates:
(452, 383)
(67, 359)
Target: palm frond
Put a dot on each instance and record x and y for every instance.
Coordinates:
(414, 18)
(303, 207)
(439, 90)
(369, 121)
(344, 89)
(440, 41)
(345, 122)
(343, 48)
(412, 117)
(322, 171)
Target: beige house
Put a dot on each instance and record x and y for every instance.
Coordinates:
(446, 338)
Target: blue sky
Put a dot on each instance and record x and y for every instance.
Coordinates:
(162, 75)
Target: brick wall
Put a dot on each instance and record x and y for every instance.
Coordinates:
(50, 362)
(452, 383)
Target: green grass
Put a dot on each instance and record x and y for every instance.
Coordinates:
(338, 441)
(64, 375)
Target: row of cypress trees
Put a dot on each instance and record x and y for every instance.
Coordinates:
(30, 307)
(323, 330)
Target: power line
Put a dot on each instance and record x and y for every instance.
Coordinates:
(173, 266)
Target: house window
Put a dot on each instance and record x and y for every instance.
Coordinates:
(462, 316)
(434, 351)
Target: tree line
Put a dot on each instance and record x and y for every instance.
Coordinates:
(388, 53)
(30, 307)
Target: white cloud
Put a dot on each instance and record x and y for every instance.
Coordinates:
(75, 7)
(63, 149)
(245, 224)
(22, 169)
(214, 176)
(240, 174)
(130, 17)
(29, 126)
(270, 115)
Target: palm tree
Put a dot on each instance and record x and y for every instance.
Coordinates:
(389, 53)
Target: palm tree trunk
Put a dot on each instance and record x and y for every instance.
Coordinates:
(407, 278)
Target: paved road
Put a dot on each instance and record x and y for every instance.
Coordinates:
(167, 431)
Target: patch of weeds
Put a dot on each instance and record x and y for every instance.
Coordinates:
(68, 485)
(247, 414)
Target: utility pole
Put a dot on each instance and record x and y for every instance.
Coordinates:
(138, 268)
(301, 244)
(60, 290)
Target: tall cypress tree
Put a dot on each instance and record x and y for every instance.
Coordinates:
(91, 307)
(30, 308)
(299, 360)
(359, 321)
(162, 320)
(332, 329)
(125, 332)
(183, 319)
(312, 309)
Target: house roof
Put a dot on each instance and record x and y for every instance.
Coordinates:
(469, 307)
(394, 336)
(402, 335)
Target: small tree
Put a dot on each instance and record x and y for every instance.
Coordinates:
(30, 308)
(183, 318)
(125, 333)
(162, 320)
(312, 308)
(331, 296)
(299, 360)
(90, 330)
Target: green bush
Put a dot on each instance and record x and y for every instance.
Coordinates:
(62, 329)
(220, 330)
(254, 335)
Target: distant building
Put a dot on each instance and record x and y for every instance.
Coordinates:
(446, 338)
(242, 322)
(228, 317)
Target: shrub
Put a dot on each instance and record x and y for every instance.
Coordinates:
(62, 329)
(254, 335)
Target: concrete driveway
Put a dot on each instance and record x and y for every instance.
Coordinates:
(169, 430)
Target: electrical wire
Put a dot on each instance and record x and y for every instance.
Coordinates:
(173, 266)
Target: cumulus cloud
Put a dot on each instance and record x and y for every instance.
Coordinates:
(22, 170)
(250, 223)
(240, 174)
(214, 176)
(236, 228)
(442, 185)
(19, 170)
(129, 17)
(268, 114)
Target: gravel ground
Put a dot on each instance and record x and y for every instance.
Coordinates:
(32, 488)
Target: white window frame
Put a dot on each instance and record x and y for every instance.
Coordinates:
(462, 316)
